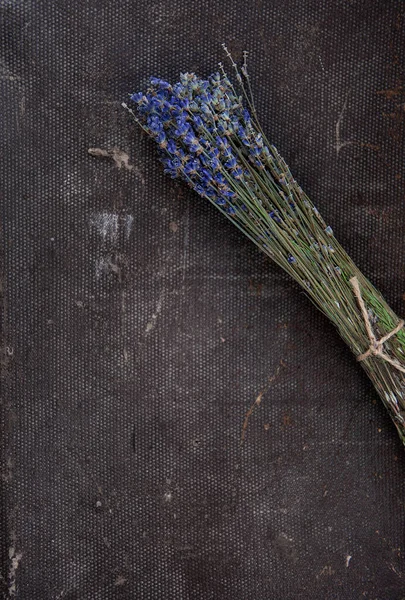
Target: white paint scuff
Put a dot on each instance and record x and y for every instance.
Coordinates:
(107, 225)
(150, 326)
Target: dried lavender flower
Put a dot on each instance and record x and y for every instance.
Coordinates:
(209, 136)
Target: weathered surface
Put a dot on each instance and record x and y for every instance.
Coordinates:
(141, 328)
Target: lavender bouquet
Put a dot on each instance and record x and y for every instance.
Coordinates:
(209, 135)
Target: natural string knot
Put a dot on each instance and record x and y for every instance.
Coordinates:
(376, 346)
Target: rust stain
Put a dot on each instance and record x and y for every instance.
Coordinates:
(379, 214)
(370, 146)
(287, 420)
(258, 401)
(255, 288)
(392, 93)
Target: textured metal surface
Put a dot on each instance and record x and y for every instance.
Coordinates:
(140, 327)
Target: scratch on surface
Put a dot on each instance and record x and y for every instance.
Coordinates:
(258, 400)
(21, 112)
(6, 74)
(125, 353)
(106, 224)
(327, 570)
(150, 326)
(22, 106)
(7, 473)
(105, 265)
(120, 158)
(339, 143)
(6, 351)
(320, 60)
(395, 570)
(15, 558)
(185, 244)
(129, 219)
(70, 584)
(120, 580)
(123, 302)
(168, 496)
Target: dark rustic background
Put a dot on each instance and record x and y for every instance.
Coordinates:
(139, 326)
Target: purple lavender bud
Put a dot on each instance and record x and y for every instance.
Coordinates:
(137, 97)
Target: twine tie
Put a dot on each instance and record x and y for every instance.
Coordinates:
(376, 346)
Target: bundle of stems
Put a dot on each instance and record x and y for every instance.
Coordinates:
(209, 136)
